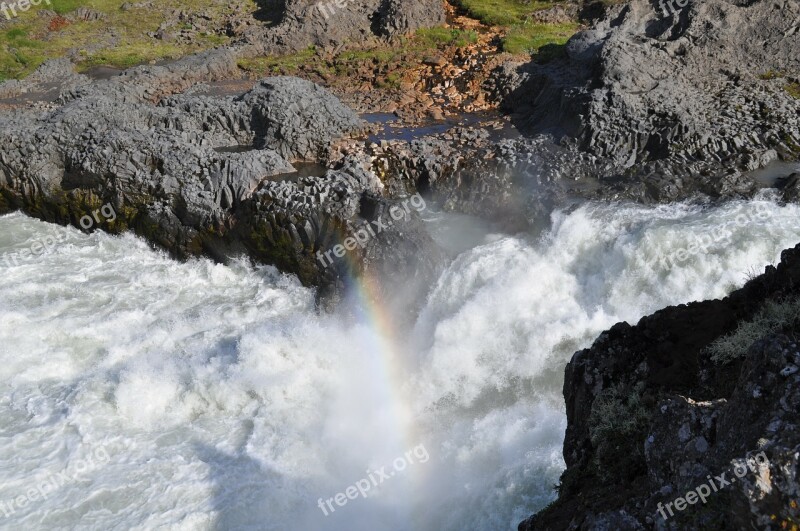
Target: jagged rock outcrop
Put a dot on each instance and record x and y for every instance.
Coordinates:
(471, 170)
(667, 93)
(657, 410)
(396, 17)
(55, 71)
(332, 23)
(520, 181)
(196, 174)
(645, 106)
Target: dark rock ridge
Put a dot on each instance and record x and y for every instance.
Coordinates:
(520, 181)
(332, 23)
(195, 174)
(471, 170)
(602, 123)
(666, 97)
(653, 410)
(142, 83)
(644, 107)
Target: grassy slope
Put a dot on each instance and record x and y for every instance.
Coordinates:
(121, 38)
(118, 40)
(523, 36)
(346, 63)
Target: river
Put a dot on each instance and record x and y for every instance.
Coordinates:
(139, 392)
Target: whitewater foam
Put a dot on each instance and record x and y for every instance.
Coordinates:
(226, 401)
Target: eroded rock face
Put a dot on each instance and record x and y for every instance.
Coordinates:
(676, 94)
(60, 71)
(196, 174)
(646, 106)
(518, 182)
(651, 414)
(331, 23)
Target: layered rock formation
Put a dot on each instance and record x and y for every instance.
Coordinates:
(655, 410)
(331, 23)
(644, 106)
(664, 93)
(195, 174)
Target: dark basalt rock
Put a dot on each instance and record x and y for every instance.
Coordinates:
(195, 174)
(643, 107)
(651, 414)
(790, 187)
(297, 118)
(520, 181)
(396, 17)
(678, 95)
(333, 23)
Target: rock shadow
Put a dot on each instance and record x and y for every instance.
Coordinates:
(271, 12)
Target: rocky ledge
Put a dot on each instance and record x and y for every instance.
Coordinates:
(647, 105)
(200, 175)
(666, 95)
(658, 410)
(331, 23)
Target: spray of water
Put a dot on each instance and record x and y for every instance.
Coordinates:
(224, 400)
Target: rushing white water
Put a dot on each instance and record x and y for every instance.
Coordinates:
(154, 394)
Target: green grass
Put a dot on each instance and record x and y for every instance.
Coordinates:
(546, 40)
(793, 89)
(773, 317)
(279, 64)
(389, 59)
(618, 423)
(128, 56)
(19, 53)
(446, 36)
(772, 74)
(375, 55)
(62, 7)
(502, 12)
(120, 40)
(523, 36)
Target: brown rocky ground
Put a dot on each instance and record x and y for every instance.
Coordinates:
(417, 78)
(420, 76)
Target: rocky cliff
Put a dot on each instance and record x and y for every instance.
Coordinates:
(200, 175)
(678, 98)
(647, 105)
(657, 410)
(664, 92)
(651, 103)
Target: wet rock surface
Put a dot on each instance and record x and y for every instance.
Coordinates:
(652, 414)
(645, 107)
(196, 174)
